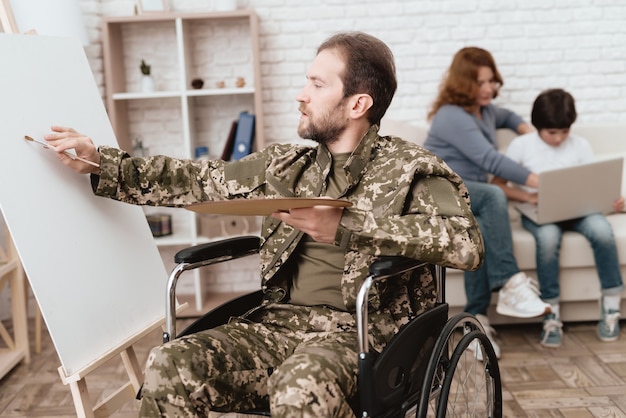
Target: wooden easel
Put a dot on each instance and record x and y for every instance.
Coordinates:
(84, 406)
(7, 19)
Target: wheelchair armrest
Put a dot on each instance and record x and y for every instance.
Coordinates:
(392, 265)
(381, 268)
(231, 247)
(199, 256)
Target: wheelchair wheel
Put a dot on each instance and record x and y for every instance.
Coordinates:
(456, 383)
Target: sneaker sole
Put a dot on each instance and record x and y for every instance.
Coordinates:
(517, 314)
(548, 345)
(608, 340)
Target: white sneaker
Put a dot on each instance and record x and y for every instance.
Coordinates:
(519, 297)
(490, 333)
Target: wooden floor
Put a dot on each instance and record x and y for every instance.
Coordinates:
(583, 378)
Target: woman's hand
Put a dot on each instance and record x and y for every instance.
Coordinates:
(533, 198)
(524, 128)
(64, 139)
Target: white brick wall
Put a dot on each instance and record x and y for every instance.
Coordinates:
(574, 44)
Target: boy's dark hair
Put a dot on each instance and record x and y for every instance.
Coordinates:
(553, 109)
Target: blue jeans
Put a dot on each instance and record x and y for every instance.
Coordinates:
(548, 238)
(490, 207)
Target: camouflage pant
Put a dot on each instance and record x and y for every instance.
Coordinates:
(302, 361)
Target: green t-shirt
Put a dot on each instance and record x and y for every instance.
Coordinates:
(319, 267)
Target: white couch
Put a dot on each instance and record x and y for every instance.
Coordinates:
(580, 286)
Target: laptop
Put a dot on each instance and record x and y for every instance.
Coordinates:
(577, 191)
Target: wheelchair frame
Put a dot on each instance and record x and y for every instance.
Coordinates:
(390, 385)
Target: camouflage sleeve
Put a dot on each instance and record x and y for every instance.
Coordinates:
(166, 181)
(438, 227)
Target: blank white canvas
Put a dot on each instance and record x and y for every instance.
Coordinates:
(92, 262)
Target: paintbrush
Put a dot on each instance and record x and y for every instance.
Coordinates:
(69, 154)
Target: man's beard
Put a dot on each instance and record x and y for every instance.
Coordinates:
(326, 128)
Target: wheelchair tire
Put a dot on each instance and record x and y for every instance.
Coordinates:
(446, 390)
(469, 391)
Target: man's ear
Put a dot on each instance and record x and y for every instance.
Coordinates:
(361, 103)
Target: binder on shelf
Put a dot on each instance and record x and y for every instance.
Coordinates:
(230, 142)
(243, 136)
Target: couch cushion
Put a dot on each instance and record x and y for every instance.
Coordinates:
(575, 249)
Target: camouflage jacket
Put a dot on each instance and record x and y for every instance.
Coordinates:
(406, 201)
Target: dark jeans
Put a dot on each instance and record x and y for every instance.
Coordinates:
(490, 207)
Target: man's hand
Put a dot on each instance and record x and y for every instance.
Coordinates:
(618, 204)
(319, 222)
(64, 139)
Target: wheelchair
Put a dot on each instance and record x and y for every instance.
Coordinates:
(426, 370)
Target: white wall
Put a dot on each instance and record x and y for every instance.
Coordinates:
(574, 44)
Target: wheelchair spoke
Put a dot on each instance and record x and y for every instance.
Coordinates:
(461, 385)
(471, 392)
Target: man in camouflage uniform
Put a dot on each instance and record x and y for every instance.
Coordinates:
(297, 353)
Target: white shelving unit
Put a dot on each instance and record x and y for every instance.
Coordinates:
(15, 346)
(175, 118)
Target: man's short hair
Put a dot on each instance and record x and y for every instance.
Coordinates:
(370, 69)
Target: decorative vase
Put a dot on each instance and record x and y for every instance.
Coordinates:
(147, 84)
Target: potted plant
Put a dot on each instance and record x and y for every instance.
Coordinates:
(147, 83)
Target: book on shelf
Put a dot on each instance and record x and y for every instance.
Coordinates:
(244, 135)
(230, 142)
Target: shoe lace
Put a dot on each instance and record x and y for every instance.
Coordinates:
(550, 325)
(610, 321)
(533, 285)
(529, 287)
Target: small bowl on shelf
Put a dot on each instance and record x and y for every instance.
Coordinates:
(197, 83)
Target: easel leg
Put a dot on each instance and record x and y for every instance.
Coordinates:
(135, 373)
(20, 312)
(7, 19)
(82, 403)
(37, 328)
(112, 403)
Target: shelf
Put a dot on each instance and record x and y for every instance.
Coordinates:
(189, 93)
(166, 17)
(216, 47)
(141, 95)
(178, 240)
(174, 119)
(221, 92)
(11, 272)
(9, 359)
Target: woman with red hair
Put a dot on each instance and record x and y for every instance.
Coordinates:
(463, 133)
